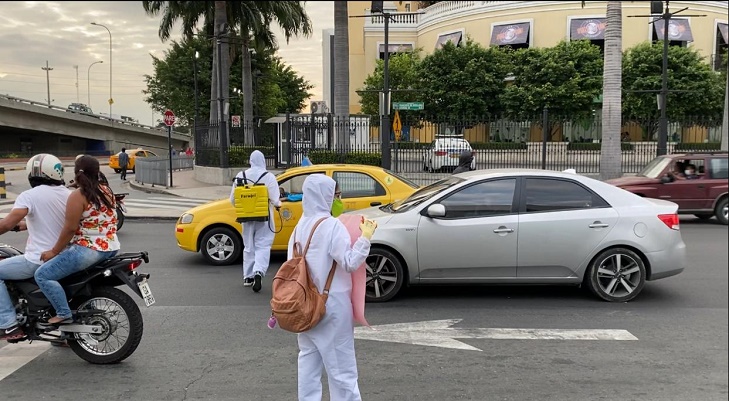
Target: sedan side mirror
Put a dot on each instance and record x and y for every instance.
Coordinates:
(666, 179)
(436, 210)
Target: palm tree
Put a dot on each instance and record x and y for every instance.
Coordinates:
(253, 20)
(214, 15)
(611, 158)
(341, 73)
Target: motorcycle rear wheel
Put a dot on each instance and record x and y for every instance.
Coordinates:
(122, 327)
(119, 219)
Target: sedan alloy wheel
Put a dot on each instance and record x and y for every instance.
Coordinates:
(616, 275)
(384, 275)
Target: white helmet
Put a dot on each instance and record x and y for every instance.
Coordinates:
(45, 166)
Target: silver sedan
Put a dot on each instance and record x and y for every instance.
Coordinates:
(521, 226)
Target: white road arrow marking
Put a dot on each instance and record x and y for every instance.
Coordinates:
(439, 333)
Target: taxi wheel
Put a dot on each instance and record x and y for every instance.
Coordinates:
(116, 170)
(221, 246)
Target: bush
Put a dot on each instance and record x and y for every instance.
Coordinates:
(624, 146)
(238, 156)
(498, 146)
(683, 146)
(407, 145)
(332, 157)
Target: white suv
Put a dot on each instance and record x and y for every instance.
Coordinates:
(445, 151)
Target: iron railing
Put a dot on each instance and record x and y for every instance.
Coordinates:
(156, 170)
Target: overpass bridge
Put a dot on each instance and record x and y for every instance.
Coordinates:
(29, 127)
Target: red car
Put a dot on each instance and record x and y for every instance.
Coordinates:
(702, 193)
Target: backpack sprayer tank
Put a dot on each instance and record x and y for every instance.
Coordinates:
(251, 200)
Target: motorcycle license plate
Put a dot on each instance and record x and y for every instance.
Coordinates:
(146, 293)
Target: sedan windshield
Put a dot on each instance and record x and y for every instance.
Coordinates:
(655, 167)
(424, 194)
(403, 179)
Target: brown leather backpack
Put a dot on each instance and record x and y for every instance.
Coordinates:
(296, 303)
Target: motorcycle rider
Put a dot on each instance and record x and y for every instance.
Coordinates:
(44, 208)
(464, 162)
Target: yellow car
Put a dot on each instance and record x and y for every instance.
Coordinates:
(211, 228)
(133, 154)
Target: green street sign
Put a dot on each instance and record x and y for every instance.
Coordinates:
(407, 105)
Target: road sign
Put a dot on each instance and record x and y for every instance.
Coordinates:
(397, 125)
(440, 333)
(169, 118)
(236, 121)
(408, 105)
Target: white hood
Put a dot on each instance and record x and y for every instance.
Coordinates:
(258, 164)
(318, 195)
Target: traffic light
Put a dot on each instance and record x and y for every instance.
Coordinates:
(656, 7)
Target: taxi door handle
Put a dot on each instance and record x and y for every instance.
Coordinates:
(375, 203)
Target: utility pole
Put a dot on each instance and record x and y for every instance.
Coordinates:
(78, 100)
(665, 17)
(377, 8)
(48, 82)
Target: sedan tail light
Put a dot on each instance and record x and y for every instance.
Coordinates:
(670, 220)
(441, 153)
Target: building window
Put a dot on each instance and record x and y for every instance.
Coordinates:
(592, 29)
(722, 41)
(453, 37)
(394, 49)
(516, 36)
(679, 32)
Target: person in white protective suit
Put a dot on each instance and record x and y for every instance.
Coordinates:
(258, 235)
(330, 344)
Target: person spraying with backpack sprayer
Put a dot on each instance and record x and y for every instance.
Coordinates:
(312, 293)
(254, 194)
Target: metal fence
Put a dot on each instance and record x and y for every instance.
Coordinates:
(156, 170)
(433, 144)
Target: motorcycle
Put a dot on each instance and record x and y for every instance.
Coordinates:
(121, 210)
(107, 323)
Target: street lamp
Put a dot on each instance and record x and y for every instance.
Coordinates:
(88, 81)
(111, 99)
(194, 72)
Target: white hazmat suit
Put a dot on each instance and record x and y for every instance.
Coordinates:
(330, 344)
(258, 235)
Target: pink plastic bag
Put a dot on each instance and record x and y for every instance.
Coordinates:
(359, 277)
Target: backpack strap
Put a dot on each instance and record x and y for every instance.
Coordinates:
(306, 248)
(330, 278)
(259, 178)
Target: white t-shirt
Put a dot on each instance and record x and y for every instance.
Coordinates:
(46, 206)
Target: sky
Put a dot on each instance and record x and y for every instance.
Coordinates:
(33, 32)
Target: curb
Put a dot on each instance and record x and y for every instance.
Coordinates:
(154, 190)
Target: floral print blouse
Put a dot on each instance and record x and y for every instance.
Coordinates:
(97, 228)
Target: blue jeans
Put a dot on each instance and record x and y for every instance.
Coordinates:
(15, 268)
(73, 259)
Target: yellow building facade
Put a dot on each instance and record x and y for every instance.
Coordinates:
(518, 24)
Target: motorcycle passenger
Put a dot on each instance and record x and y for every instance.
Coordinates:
(464, 162)
(88, 237)
(42, 207)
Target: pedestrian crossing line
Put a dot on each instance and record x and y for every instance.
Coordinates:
(15, 356)
(181, 199)
(173, 202)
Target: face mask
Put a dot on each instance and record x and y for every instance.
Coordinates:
(688, 172)
(337, 207)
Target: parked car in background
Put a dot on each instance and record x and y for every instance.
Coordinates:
(79, 107)
(703, 195)
(212, 230)
(444, 153)
(133, 154)
(521, 226)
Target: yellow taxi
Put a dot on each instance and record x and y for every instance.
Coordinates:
(133, 154)
(211, 228)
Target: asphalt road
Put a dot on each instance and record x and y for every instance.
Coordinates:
(206, 339)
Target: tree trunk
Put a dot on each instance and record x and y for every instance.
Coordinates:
(341, 73)
(725, 120)
(247, 83)
(611, 165)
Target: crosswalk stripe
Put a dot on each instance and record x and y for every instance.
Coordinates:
(14, 356)
(161, 202)
(182, 199)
